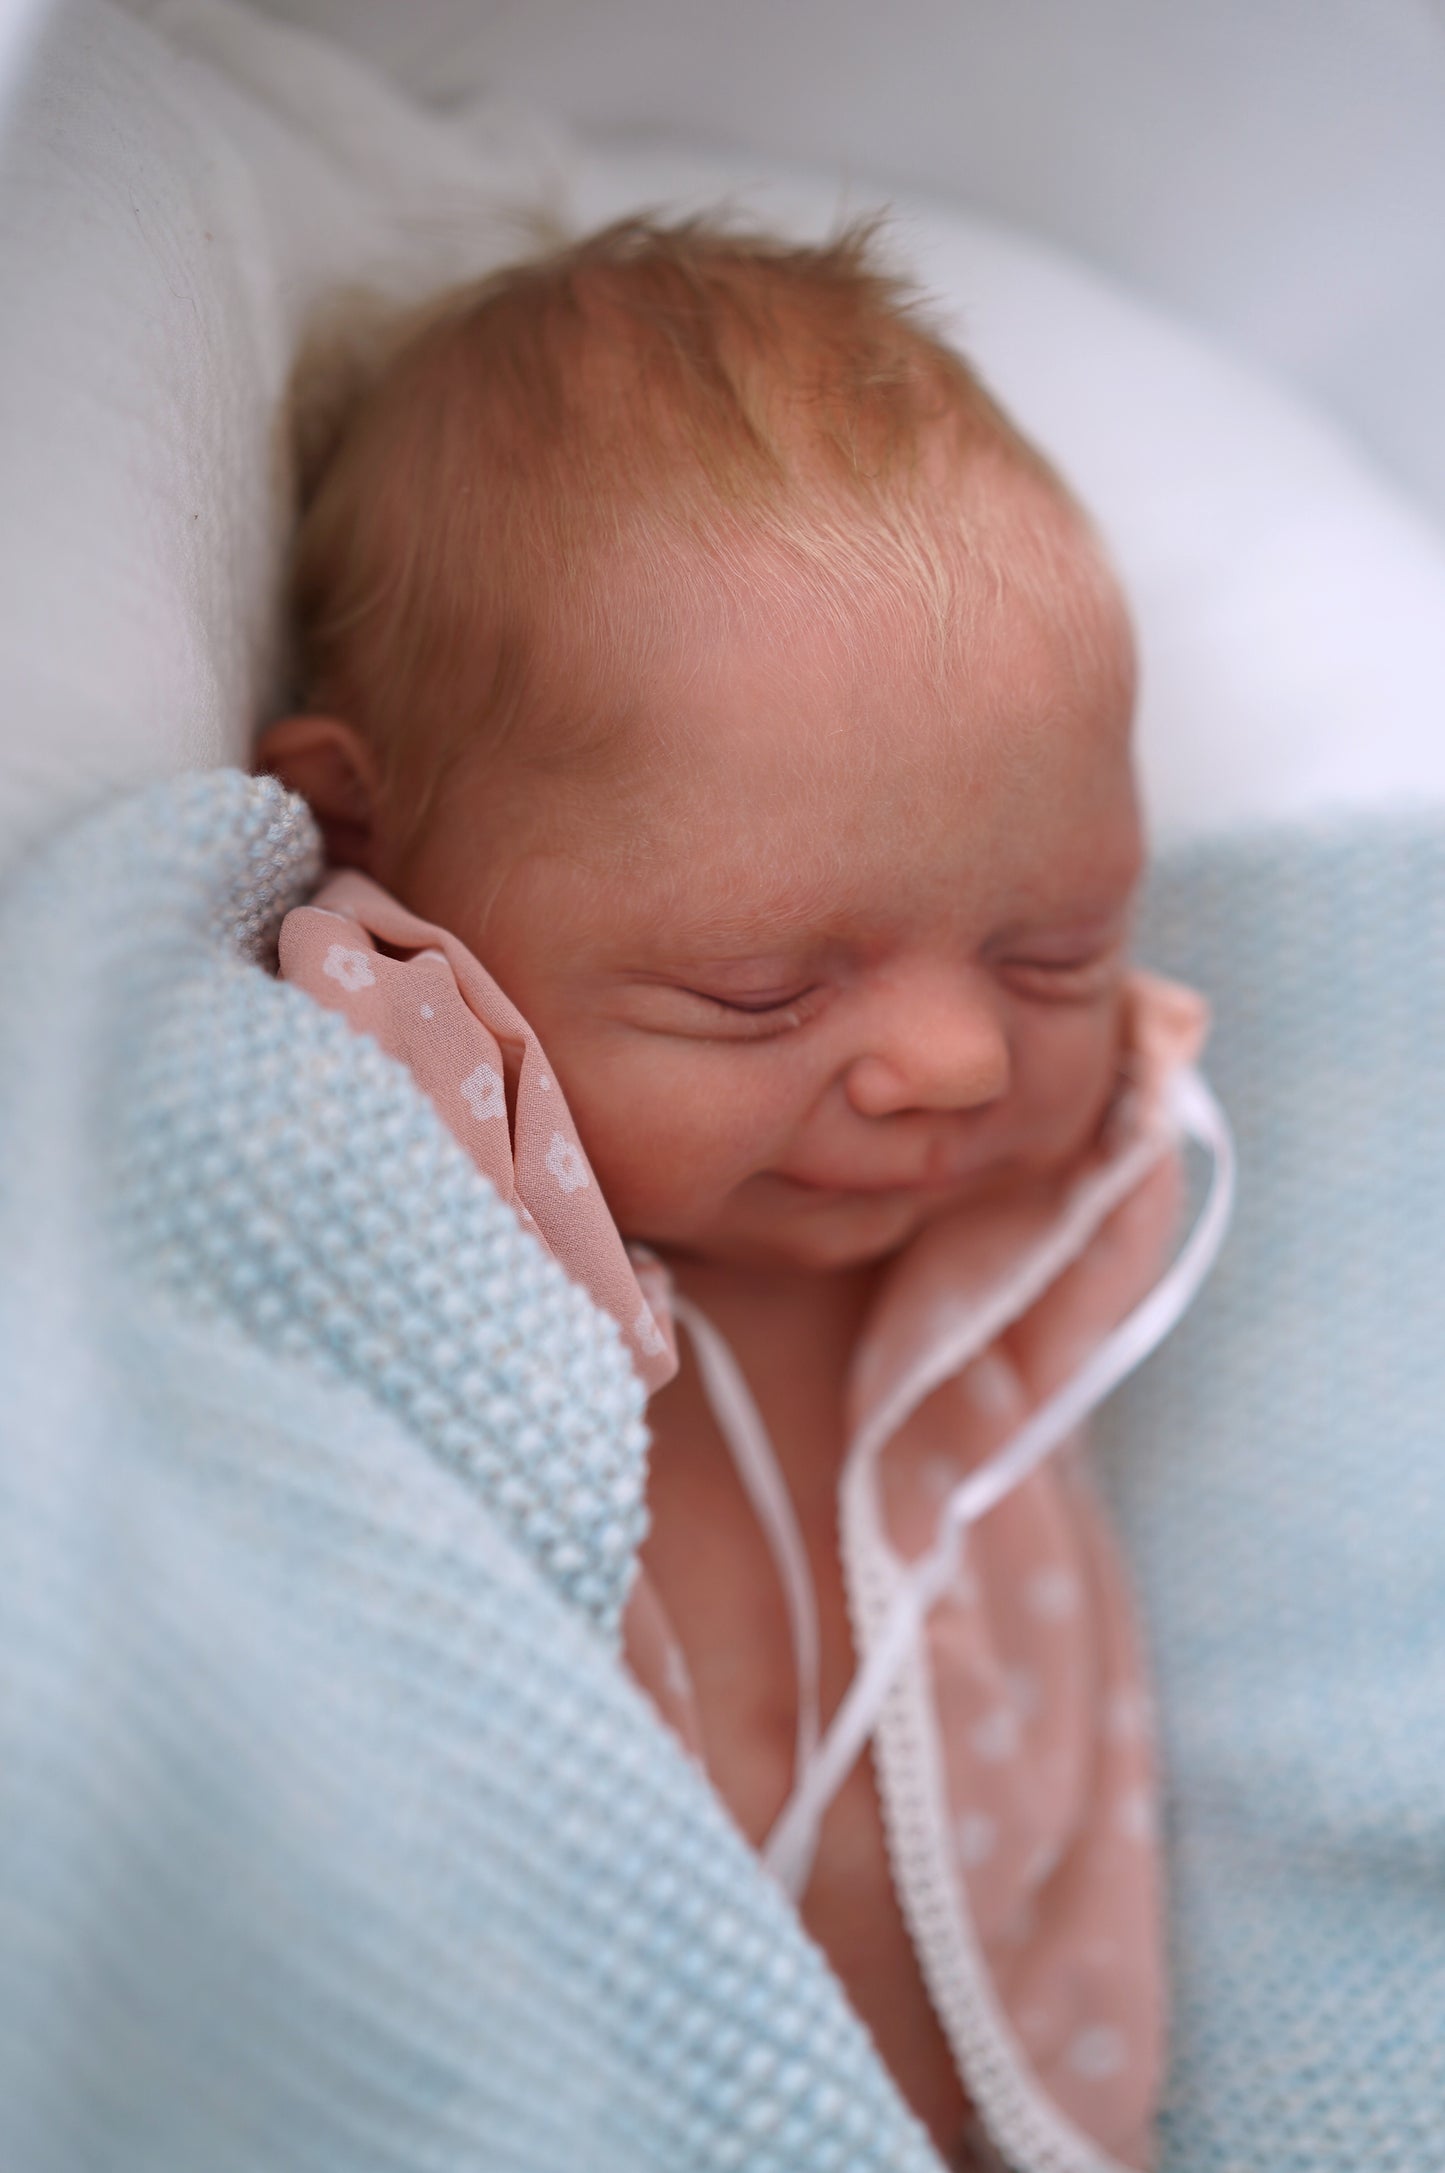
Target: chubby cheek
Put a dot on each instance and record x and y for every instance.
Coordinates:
(670, 1130)
(1065, 1063)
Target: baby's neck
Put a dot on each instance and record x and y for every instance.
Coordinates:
(817, 1306)
(793, 1333)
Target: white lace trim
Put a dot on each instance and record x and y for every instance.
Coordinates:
(1019, 2116)
(1021, 2120)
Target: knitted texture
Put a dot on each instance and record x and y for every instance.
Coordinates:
(271, 1164)
(1290, 1542)
(335, 1836)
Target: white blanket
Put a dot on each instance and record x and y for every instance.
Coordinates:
(181, 192)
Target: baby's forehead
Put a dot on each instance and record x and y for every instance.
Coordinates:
(760, 809)
(766, 718)
(805, 628)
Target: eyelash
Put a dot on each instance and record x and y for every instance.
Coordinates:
(1057, 980)
(790, 1012)
(1062, 977)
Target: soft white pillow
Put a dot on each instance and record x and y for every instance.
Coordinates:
(182, 191)
(177, 195)
(137, 378)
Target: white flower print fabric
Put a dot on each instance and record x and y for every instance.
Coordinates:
(422, 995)
(1015, 1759)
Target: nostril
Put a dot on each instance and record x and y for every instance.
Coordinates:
(939, 1056)
(875, 1088)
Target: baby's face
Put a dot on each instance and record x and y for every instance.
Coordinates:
(842, 944)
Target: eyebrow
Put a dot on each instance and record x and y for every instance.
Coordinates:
(757, 957)
(743, 938)
(802, 926)
(809, 922)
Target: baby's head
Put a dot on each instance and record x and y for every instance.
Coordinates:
(685, 629)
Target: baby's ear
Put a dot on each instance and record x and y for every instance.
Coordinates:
(335, 772)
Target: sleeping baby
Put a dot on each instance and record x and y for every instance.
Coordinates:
(718, 719)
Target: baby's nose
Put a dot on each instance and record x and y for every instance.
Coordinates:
(938, 1042)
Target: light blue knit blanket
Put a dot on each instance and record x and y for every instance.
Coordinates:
(331, 1834)
(1279, 1471)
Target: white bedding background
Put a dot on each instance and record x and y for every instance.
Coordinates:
(181, 183)
(1272, 171)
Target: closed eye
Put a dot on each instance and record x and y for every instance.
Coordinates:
(728, 1003)
(776, 1013)
(1064, 979)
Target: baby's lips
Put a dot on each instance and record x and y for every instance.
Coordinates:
(929, 1179)
(852, 1183)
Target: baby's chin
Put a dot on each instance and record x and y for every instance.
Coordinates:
(776, 1223)
(828, 1235)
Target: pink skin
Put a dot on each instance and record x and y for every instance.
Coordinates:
(840, 942)
(836, 944)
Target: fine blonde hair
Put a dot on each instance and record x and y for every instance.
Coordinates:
(655, 398)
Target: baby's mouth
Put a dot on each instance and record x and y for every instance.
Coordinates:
(944, 1169)
(854, 1187)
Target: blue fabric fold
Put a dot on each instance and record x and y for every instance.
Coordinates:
(334, 1835)
(1279, 1475)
